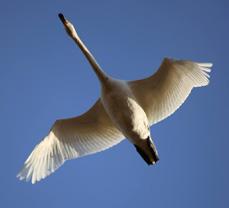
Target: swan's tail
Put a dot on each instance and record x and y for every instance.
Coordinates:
(148, 152)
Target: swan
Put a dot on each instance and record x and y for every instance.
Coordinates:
(125, 109)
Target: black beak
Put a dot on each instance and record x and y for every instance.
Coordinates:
(63, 20)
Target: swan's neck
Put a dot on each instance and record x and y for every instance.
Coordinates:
(73, 34)
(95, 66)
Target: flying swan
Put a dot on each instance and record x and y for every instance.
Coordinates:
(125, 109)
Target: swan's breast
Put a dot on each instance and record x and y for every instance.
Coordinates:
(124, 110)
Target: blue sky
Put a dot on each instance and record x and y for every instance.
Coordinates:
(44, 76)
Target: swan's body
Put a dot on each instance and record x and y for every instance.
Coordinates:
(125, 109)
(132, 120)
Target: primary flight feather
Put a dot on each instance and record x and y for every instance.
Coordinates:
(125, 109)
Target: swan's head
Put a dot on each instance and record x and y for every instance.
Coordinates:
(68, 26)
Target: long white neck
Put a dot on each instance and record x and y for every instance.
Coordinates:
(95, 66)
(73, 34)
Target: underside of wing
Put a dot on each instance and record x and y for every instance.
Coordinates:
(71, 138)
(163, 93)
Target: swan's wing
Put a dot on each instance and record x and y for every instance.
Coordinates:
(71, 138)
(162, 94)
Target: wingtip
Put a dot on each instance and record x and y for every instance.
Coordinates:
(205, 70)
(33, 182)
(207, 65)
(20, 177)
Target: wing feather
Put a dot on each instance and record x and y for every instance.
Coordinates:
(71, 138)
(163, 93)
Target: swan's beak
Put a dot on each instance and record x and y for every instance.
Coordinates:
(68, 26)
(62, 18)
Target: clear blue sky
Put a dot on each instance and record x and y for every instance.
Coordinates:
(44, 76)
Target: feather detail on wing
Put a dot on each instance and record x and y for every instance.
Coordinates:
(71, 138)
(161, 94)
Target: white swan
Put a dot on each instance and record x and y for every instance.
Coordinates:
(126, 109)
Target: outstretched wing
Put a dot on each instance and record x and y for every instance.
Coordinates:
(71, 138)
(162, 94)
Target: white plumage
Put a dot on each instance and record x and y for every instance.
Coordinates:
(126, 109)
(162, 94)
(71, 138)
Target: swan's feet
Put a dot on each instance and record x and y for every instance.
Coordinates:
(148, 152)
